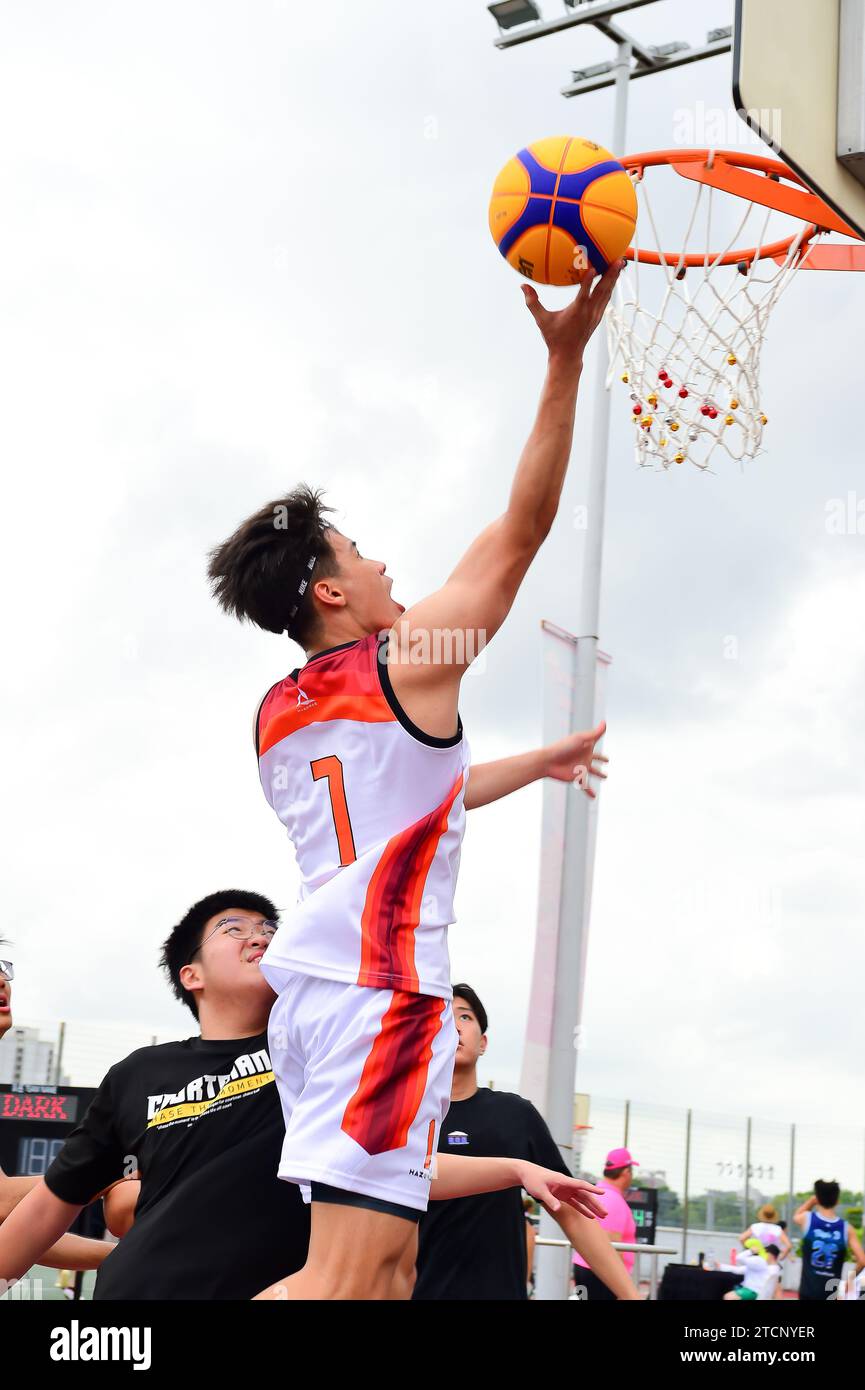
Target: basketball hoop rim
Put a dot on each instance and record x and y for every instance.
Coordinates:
(754, 178)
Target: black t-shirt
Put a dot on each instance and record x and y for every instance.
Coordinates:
(202, 1123)
(475, 1247)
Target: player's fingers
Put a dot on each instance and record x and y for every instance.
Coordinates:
(533, 304)
(599, 758)
(606, 282)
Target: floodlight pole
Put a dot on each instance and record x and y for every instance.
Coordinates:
(552, 1088)
(552, 1268)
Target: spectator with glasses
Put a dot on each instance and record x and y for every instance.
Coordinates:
(201, 1122)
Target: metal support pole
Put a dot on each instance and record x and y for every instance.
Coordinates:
(627, 1122)
(61, 1037)
(746, 1189)
(789, 1212)
(552, 1270)
(687, 1182)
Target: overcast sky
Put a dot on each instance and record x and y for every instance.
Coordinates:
(245, 245)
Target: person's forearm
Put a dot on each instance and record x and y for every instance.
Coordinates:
(590, 1240)
(537, 485)
(35, 1225)
(76, 1252)
(491, 781)
(460, 1176)
(12, 1190)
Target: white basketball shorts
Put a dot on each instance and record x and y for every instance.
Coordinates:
(364, 1077)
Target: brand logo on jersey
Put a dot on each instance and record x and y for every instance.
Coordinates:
(304, 701)
(419, 1173)
(458, 1136)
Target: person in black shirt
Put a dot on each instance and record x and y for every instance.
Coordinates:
(475, 1247)
(200, 1120)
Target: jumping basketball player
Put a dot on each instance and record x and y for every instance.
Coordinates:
(363, 758)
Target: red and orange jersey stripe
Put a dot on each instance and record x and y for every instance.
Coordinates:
(394, 897)
(384, 1107)
(345, 687)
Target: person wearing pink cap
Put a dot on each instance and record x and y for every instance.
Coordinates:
(618, 1223)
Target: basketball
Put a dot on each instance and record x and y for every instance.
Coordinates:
(560, 206)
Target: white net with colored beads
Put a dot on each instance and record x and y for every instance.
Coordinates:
(691, 362)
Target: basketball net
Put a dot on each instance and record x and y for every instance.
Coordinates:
(685, 331)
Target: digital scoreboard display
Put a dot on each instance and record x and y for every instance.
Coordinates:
(62, 1106)
(35, 1122)
(643, 1202)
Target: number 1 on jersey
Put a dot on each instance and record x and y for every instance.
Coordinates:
(331, 769)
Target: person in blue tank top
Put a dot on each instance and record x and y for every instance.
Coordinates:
(826, 1239)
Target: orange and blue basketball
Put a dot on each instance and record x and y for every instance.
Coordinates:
(560, 206)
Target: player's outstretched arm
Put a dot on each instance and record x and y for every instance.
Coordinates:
(76, 1252)
(36, 1224)
(571, 759)
(69, 1252)
(479, 593)
(590, 1240)
(434, 642)
(460, 1176)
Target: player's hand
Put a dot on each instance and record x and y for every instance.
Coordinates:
(573, 759)
(554, 1190)
(566, 331)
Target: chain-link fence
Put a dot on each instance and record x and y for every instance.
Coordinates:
(713, 1171)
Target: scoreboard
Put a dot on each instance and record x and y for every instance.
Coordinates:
(643, 1202)
(34, 1123)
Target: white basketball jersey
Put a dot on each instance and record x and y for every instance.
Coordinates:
(374, 809)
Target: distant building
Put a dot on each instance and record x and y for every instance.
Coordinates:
(28, 1060)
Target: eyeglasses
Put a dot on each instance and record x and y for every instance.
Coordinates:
(6, 970)
(239, 930)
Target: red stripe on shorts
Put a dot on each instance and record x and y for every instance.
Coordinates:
(384, 1107)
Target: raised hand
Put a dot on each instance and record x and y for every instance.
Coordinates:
(566, 331)
(553, 1189)
(573, 759)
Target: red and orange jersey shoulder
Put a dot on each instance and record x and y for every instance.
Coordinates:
(374, 809)
(342, 685)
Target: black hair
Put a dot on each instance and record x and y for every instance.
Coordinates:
(467, 993)
(827, 1193)
(183, 939)
(772, 1250)
(262, 573)
(616, 1172)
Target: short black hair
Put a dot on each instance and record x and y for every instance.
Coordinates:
(467, 993)
(772, 1250)
(827, 1193)
(255, 574)
(183, 939)
(616, 1172)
